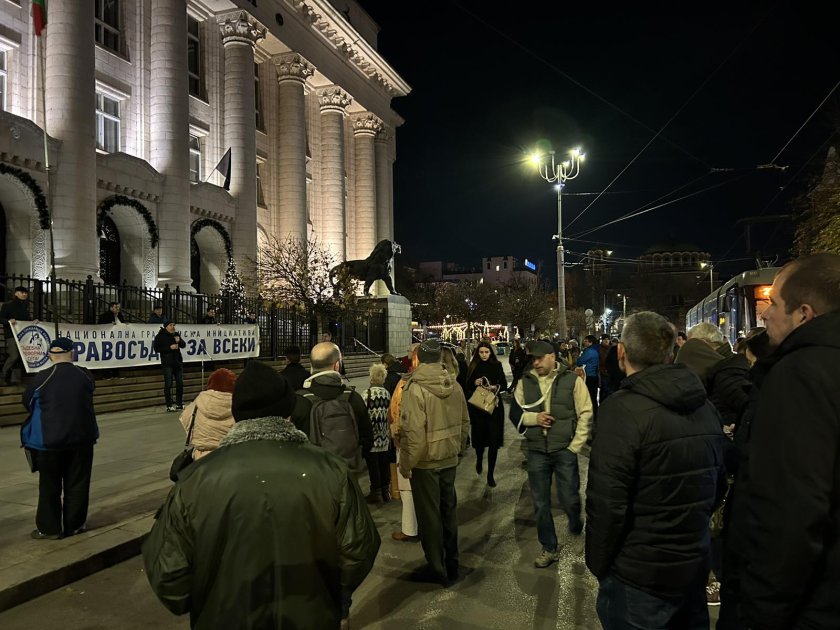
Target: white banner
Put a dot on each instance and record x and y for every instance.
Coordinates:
(131, 345)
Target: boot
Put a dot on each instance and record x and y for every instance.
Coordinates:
(386, 494)
(374, 498)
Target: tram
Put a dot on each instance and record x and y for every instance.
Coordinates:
(737, 306)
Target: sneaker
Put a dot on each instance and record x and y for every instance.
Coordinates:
(171, 408)
(546, 558)
(179, 407)
(713, 594)
(39, 535)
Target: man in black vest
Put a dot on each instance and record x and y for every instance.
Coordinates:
(554, 410)
(15, 309)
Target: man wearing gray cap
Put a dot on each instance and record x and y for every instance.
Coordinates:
(554, 411)
(434, 425)
(59, 435)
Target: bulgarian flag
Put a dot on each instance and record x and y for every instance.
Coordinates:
(39, 15)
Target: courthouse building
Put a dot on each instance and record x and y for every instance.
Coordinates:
(143, 98)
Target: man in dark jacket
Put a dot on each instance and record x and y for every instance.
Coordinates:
(268, 531)
(326, 384)
(655, 475)
(60, 433)
(553, 409)
(168, 344)
(157, 314)
(294, 372)
(590, 360)
(395, 370)
(112, 315)
(791, 576)
(15, 309)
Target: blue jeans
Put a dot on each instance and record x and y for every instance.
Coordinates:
(624, 607)
(176, 371)
(563, 466)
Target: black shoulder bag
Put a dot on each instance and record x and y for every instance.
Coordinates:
(185, 457)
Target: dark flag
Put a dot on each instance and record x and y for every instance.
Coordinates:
(224, 168)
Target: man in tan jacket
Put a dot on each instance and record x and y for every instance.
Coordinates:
(434, 425)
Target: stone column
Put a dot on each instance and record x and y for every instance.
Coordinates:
(240, 33)
(384, 186)
(290, 168)
(333, 101)
(365, 128)
(70, 107)
(170, 134)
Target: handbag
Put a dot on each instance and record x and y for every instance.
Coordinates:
(185, 457)
(485, 396)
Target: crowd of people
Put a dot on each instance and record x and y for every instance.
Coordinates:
(714, 472)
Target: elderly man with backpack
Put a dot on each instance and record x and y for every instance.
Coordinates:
(331, 413)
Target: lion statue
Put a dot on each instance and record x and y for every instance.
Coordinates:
(377, 266)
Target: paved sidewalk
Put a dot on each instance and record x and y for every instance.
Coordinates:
(129, 482)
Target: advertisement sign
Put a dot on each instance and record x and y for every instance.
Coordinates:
(131, 345)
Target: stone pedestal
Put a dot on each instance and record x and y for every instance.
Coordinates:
(397, 323)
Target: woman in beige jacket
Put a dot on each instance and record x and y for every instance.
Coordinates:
(213, 418)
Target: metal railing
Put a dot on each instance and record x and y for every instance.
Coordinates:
(280, 326)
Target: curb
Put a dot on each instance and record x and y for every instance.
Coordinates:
(97, 555)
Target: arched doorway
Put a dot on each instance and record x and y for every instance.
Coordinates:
(24, 220)
(210, 250)
(110, 252)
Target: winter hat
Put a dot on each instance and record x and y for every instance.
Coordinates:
(222, 380)
(60, 345)
(429, 352)
(261, 391)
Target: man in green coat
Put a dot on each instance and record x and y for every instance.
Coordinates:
(268, 530)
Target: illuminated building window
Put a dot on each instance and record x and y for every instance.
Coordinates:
(107, 20)
(258, 98)
(107, 123)
(195, 159)
(260, 194)
(2, 80)
(194, 65)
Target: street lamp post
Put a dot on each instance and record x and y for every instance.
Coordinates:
(711, 267)
(623, 297)
(552, 171)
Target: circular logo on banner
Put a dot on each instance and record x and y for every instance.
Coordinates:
(34, 344)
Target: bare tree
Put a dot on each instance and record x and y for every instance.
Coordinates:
(295, 273)
(525, 303)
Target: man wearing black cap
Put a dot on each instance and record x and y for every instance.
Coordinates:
(59, 434)
(15, 309)
(268, 530)
(434, 425)
(553, 409)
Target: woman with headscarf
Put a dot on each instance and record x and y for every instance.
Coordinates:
(487, 429)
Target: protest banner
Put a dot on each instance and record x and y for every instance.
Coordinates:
(110, 346)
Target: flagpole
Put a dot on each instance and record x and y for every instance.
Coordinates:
(43, 63)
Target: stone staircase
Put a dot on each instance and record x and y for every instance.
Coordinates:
(135, 388)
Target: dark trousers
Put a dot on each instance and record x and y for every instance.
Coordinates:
(592, 386)
(379, 469)
(563, 467)
(67, 471)
(605, 389)
(730, 616)
(435, 503)
(12, 357)
(176, 372)
(624, 607)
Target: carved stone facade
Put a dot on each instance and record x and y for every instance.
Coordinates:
(150, 109)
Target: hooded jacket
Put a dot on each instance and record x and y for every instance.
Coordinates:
(655, 475)
(434, 422)
(213, 420)
(265, 532)
(791, 573)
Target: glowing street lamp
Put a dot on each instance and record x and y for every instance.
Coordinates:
(553, 171)
(711, 267)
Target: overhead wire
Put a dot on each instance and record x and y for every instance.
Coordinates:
(571, 79)
(807, 120)
(670, 120)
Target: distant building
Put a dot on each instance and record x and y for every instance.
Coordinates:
(494, 270)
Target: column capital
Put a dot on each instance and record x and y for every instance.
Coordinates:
(366, 123)
(333, 99)
(237, 27)
(291, 66)
(385, 134)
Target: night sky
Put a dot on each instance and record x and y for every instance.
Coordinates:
(490, 80)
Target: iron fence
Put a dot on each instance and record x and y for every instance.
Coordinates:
(280, 326)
